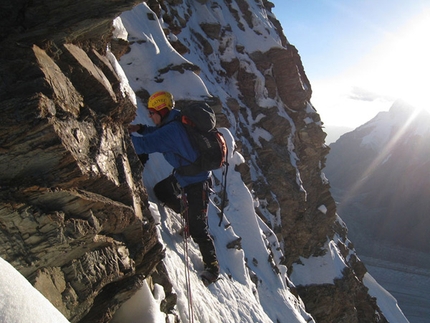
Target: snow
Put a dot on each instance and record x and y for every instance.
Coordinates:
(143, 305)
(399, 119)
(386, 302)
(323, 209)
(150, 41)
(20, 302)
(262, 36)
(253, 285)
(319, 270)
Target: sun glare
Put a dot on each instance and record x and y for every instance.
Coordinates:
(400, 68)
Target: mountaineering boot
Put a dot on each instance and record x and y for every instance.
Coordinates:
(210, 262)
(210, 274)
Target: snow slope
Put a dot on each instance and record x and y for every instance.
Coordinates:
(21, 303)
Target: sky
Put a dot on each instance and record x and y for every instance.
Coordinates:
(360, 55)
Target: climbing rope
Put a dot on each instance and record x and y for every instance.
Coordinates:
(186, 233)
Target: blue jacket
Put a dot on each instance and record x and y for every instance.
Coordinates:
(170, 139)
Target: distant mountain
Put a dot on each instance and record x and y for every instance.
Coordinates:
(334, 132)
(380, 175)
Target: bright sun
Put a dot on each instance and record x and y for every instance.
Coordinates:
(400, 68)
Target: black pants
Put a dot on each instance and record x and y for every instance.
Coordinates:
(168, 191)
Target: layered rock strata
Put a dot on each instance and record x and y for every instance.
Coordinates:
(73, 214)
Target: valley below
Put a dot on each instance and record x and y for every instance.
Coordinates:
(403, 272)
(408, 284)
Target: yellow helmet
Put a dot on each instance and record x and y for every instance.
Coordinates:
(161, 100)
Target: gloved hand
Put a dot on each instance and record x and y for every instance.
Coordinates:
(139, 128)
(143, 158)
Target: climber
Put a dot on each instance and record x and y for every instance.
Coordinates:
(170, 138)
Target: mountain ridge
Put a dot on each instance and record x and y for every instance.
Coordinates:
(385, 163)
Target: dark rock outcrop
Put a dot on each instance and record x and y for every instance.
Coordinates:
(73, 212)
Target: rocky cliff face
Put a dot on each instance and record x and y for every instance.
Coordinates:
(74, 217)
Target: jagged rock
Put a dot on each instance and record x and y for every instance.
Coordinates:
(211, 30)
(207, 48)
(160, 277)
(235, 244)
(119, 47)
(306, 233)
(181, 48)
(73, 212)
(346, 300)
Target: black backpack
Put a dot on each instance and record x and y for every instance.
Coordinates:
(199, 121)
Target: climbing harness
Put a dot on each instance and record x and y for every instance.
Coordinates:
(186, 234)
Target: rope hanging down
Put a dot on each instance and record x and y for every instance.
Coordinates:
(186, 234)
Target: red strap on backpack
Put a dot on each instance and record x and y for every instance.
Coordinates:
(187, 121)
